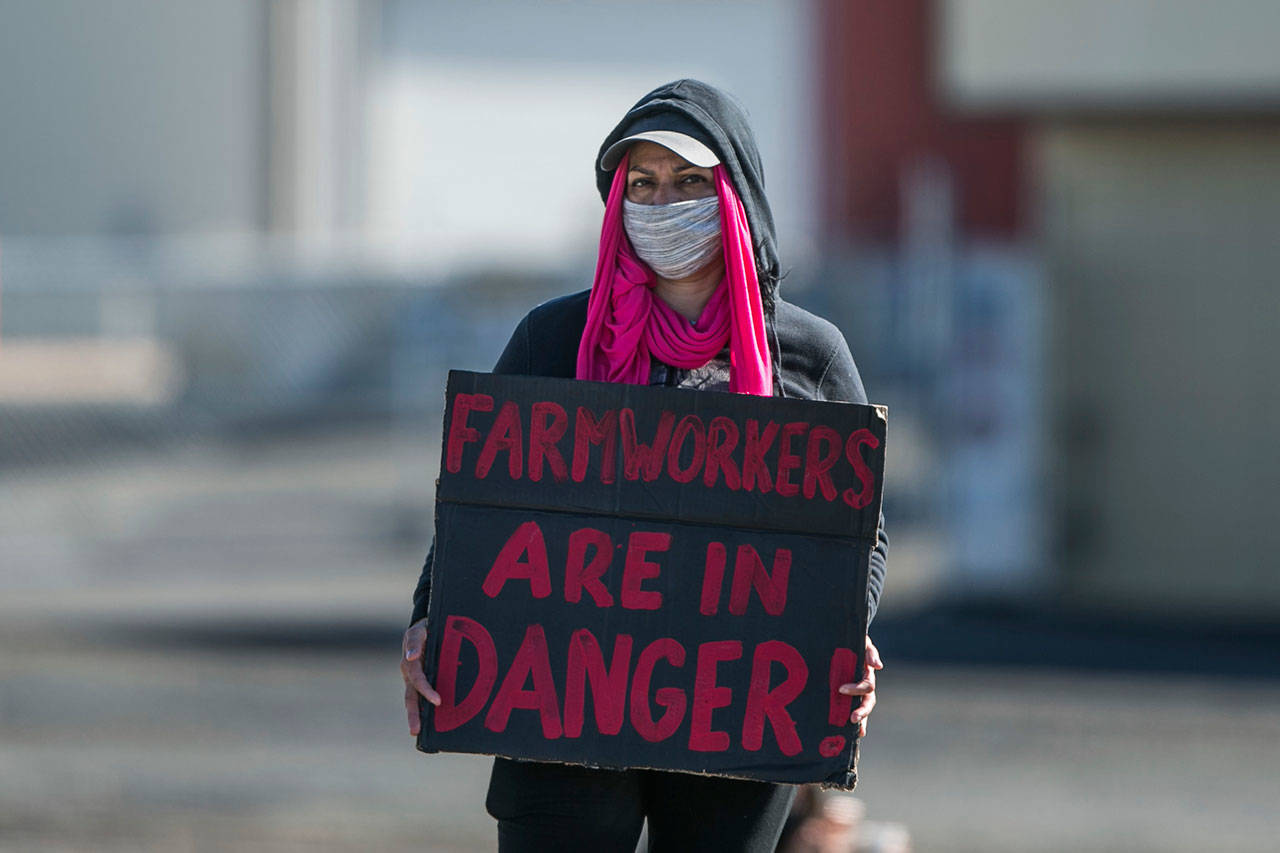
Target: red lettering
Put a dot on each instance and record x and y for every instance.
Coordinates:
(858, 500)
(844, 670)
(531, 662)
(713, 578)
(579, 575)
(672, 699)
(753, 465)
(542, 440)
(722, 438)
(768, 703)
(459, 433)
(788, 461)
(749, 571)
(830, 746)
(451, 713)
(637, 570)
(707, 695)
(588, 431)
(818, 462)
(640, 458)
(527, 539)
(690, 425)
(608, 685)
(506, 434)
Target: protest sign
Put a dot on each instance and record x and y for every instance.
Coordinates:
(633, 576)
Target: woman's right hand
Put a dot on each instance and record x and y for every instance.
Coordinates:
(415, 682)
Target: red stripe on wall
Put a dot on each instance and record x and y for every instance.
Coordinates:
(881, 113)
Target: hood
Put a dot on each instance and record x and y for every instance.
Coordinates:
(725, 130)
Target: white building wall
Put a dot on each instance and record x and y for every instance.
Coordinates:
(1040, 54)
(449, 135)
(486, 117)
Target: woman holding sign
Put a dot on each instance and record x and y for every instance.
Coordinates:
(685, 295)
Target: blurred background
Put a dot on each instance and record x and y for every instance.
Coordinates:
(242, 242)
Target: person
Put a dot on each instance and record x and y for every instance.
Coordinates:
(685, 295)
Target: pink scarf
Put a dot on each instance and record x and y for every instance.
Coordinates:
(626, 324)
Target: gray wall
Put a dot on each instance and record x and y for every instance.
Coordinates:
(132, 116)
(1161, 246)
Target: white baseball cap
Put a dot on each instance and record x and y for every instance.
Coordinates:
(667, 129)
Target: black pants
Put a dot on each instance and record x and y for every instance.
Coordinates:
(563, 808)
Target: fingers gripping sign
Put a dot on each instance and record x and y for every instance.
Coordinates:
(866, 688)
(415, 682)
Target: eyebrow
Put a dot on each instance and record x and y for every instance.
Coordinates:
(642, 170)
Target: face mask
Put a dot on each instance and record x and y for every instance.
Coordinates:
(675, 240)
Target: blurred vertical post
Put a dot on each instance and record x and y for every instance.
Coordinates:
(318, 51)
(928, 238)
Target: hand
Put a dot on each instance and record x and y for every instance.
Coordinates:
(866, 688)
(415, 682)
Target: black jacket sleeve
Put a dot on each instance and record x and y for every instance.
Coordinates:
(515, 359)
(422, 593)
(840, 382)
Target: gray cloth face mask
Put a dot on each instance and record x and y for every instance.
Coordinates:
(675, 240)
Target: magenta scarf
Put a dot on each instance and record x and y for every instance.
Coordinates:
(626, 324)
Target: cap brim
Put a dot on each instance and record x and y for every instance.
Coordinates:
(683, 144)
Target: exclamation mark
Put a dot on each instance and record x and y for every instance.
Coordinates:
(844, 670)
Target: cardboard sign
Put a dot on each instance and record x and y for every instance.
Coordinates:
(632, 576)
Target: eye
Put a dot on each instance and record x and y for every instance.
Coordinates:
(640, 182)
(693, 179)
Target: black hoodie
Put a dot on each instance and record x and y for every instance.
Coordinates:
(718, 121)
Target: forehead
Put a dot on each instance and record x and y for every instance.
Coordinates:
(651, 155)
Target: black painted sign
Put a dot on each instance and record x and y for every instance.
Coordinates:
(631, 576)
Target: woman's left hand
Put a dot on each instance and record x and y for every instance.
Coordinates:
(866, 688)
